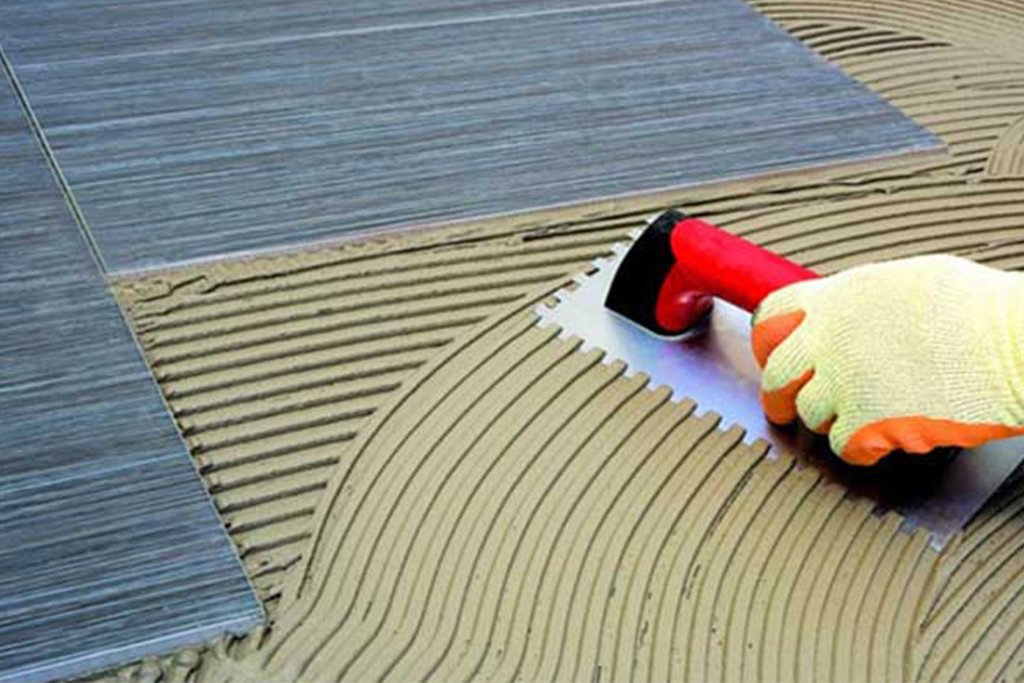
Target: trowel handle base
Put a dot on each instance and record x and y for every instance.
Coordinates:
(716, 263)
(671, 274)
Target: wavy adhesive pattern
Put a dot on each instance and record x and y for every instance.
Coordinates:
(1007, 158)
(492, 525)
(433, 487)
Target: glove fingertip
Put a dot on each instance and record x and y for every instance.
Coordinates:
(769, 333)
(864, 455)
(790, 298)
(863, 448)
(780, 405)
(822, 428)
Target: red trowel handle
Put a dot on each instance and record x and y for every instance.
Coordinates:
(710, 262)
(671, 274)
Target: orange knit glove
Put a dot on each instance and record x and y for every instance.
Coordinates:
(907, 355)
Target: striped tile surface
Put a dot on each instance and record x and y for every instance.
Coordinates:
(193, 129)
(109, 547)
(844, 595)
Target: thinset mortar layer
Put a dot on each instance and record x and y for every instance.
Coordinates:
(423, 483)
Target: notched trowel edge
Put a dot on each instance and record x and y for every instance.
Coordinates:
(716, 369)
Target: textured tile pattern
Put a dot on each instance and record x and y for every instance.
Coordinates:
(109, 547)
(195, 129)
(213, 333)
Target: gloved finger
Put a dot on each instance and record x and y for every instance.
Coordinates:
(788, 369)
(780, 302)
(857, 445)
(776, 317)
(814, 405)
(871, 442)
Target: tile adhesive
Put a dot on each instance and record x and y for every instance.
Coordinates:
(424, 484)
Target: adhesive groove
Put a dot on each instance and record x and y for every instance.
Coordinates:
(516, 508)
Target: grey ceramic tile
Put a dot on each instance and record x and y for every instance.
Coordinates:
(109, 546)
(192, 129)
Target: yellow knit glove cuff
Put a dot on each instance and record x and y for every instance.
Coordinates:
(906, 355)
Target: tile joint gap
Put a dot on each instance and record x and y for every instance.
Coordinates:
(51, 161)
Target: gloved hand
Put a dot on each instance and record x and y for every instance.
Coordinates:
(911, 354)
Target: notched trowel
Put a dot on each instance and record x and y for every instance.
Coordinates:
(675, 305)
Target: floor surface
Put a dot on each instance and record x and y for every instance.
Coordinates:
(109, 547)
(195, 130)
(424, 483)
(171, 131)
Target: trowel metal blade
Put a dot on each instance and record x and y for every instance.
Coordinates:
(716, 368)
